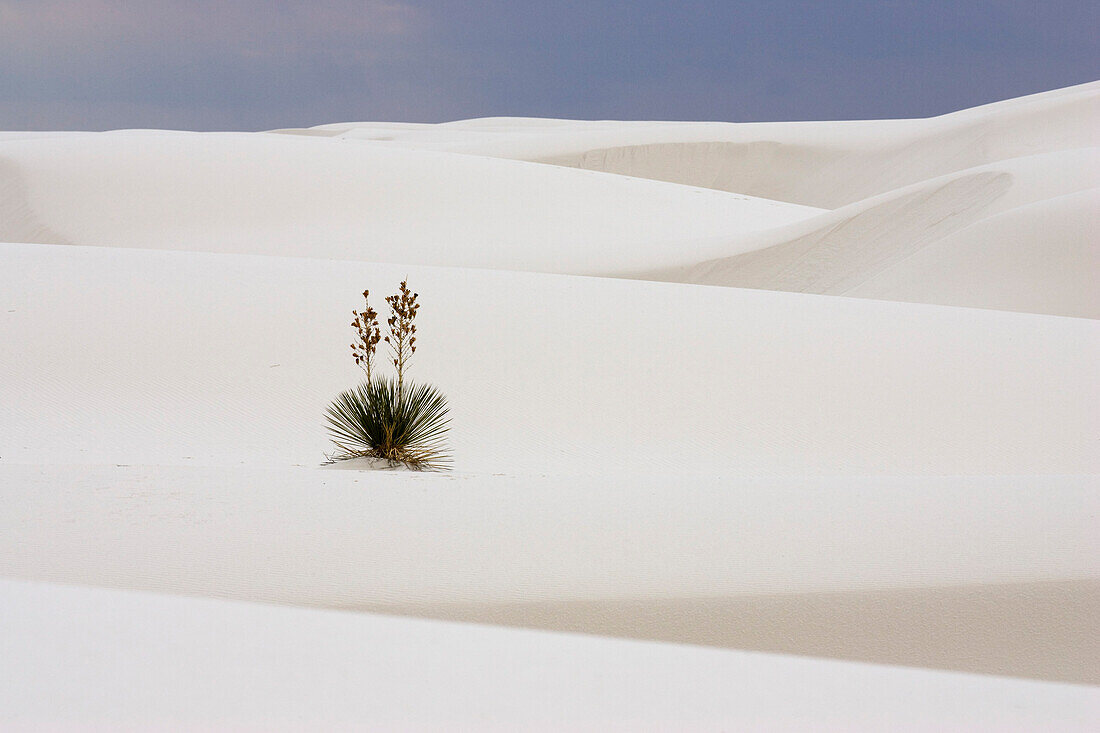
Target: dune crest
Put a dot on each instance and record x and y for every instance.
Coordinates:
(281, 195)
(942, 229)
(893, 188)
(823, 164)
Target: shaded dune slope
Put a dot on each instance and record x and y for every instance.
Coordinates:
(933, 572)
(934, 242)
(1042, 257)
(1043, 630)
(212, 665)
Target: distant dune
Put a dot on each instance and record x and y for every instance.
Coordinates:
(944, 241)
(824, 164)
(896, 188)
(265, 194)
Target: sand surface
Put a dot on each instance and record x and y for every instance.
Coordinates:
(897, 191)
(894, 571)
(123, 661)
(721, 382)
(824, 164)
(822, 392)
(335, 199)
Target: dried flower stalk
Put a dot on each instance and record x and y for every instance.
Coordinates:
(402, 338)
(368, 334)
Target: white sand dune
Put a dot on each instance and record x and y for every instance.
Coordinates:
(580, 486)
(896, 187)
(900, 185)
(1057, 277)
(1014, 235)
(245, 667)
(975, 574)
(281, 195)
(881, 476)
(824, 164)
(545, 373)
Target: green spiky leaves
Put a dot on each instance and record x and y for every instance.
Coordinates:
(380, 419)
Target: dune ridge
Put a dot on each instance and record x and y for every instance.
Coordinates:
(823, 164)
(844, 252)
(281, 195)
(893, 188)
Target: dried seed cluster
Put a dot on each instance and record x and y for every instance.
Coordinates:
(368, 334)
(402, 338)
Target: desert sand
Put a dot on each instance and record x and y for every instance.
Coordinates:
(897, 192)
(790, 406)
(224, 665)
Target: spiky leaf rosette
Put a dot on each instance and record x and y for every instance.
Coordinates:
(377, 419)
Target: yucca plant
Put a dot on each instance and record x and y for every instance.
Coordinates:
(379, 419)
(390, 419)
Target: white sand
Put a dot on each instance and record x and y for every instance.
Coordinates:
(895, 187)
(283, 195)
(103, 660)
(885, 478)
(1014, 235)
(825, 164)
(893, 570)
(544, 373)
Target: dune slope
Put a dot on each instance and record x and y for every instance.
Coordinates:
(211, 398)
(826, 456)
(937, 573)
(894, 188)
(283, 195)
(720, 381)
(824, 164)
(247, 667)
(939, 242)
(1057, 276)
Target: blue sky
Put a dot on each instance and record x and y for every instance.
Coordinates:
(256, 64)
